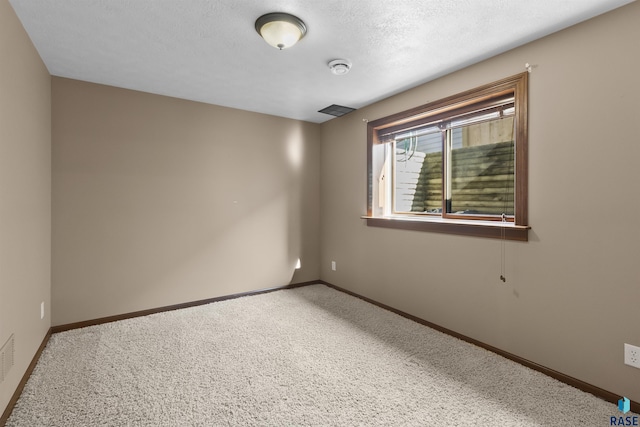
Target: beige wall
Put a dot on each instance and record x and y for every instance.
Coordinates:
(572, 292)
(159, 201)
(25, 196)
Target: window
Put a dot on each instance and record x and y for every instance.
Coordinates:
(457, 165)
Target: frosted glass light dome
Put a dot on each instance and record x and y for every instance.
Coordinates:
(280, 30)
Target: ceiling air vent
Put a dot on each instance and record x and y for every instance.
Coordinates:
(336, 110)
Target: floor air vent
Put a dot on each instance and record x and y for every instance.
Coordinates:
(336, 110)
(6, 358)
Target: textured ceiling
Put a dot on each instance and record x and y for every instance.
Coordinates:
(209, 51)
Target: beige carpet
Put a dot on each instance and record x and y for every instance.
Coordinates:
(306, 356)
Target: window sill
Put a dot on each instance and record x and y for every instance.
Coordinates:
(490, 229)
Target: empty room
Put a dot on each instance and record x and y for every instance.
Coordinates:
(319, 213)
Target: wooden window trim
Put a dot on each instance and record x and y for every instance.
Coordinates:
(516, 230)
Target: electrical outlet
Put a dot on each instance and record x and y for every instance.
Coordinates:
(632, 355)
(333, 265)
(42, 310)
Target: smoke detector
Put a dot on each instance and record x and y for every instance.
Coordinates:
(340, 67)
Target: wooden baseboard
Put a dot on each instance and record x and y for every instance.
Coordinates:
(99, 321)
(574, 382)
(23, 381)
(76, 325)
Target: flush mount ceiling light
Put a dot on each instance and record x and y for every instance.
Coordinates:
(280, 30)
(340, 67)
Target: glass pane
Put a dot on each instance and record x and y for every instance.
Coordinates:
(482, 168)
(418, 172)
